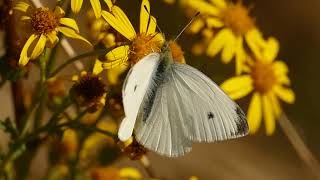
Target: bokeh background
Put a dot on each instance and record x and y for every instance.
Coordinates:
(297, 26)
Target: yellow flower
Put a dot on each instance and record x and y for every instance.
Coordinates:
(96, 6)
(112, 173)
(231, 26)
(267, 79)
(45, 25)
(141, 44)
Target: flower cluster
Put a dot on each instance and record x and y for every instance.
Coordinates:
(227, 27)
(75, 112)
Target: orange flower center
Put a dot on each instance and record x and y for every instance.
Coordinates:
(236, 17)
(44, 21)
(263, 77)
(143, 45)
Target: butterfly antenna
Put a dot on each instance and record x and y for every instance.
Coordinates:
(151, 19)
(185, 27)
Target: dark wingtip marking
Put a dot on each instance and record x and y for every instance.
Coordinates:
(242, 125)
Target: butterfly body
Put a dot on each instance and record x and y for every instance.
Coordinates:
(170, 105)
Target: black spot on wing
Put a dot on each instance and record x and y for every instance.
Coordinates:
(135, 88)
(242, 125)
(210, 115)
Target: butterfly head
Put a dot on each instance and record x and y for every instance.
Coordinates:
(166, 52)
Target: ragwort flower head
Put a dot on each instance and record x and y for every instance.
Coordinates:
(89, 91)
(141, 44)
(231, 27)
(45, 24)
(267, 79)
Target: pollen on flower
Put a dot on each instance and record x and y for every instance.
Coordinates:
(44, 21)
(177, 53)
(143, 45)
(263, 76)
(236, 17)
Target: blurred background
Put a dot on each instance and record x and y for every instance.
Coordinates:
(297, 25)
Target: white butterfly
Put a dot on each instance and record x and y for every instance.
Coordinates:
(170, 105)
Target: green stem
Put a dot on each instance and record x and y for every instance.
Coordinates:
(81, 56)
(39, 93)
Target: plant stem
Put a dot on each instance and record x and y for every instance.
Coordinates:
(81, 56)
(298, 144)
(39, 94)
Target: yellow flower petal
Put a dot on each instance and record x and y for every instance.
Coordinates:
(229, 48)
(275, 104)
(76, 5)
(109, 4)
(72, 34)
(238, 87)
(21, 6)
(53, 38)
(38, 49)
(213, 22)
(255, 42)
(280, 67)
(218, 42)
(196, 26)
(97, 68)
(271, 50)
(285, 94)
(268, 115)
(152, 26)
(130, 173)
(240, 56)
(122, 17)
(283, 79)
(70, 23)
(116, 57)
(144, 16)
(118, 26)
(117, 53)
(219, 3)
(254, 113)
(114, 73)
(203, 7)
(58, 11)
(159, 38)
(96, 6)
(24, 59)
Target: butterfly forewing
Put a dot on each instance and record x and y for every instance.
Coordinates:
(183, 105)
